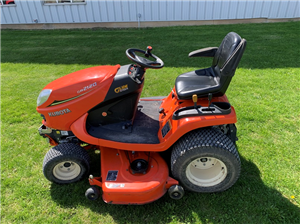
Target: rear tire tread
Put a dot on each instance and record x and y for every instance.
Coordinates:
(208, 139)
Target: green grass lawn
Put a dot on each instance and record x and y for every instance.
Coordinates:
(264, 92)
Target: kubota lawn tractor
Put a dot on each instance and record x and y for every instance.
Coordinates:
(148, 146)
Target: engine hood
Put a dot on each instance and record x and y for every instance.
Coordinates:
(78, 83)
(74, 94)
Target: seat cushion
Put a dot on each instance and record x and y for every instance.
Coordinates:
(200, 82)
(216, 79)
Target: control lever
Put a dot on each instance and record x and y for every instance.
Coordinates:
(195, 100)
(209, 99)
(148, 51)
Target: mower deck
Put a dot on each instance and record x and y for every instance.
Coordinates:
(121, 185)
(143, 131)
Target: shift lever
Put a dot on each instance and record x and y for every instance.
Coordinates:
(209, 99)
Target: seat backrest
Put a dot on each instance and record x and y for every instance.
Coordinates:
(227, 59)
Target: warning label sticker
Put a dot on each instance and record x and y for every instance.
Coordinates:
(112, 175)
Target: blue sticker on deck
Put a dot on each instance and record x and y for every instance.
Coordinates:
(112, 175)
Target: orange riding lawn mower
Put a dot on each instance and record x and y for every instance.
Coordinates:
(148, 146)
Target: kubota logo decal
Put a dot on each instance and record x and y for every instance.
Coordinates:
(58, 113)
(121, 89)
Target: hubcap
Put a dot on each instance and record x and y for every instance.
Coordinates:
(66, 170)
(206, 171)
(92, 195)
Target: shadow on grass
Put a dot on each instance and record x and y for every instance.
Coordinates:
(248, 201)
(269, 45)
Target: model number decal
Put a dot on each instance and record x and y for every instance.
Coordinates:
(87, 87)
(109, 185)
(60, 112)
(121, 89)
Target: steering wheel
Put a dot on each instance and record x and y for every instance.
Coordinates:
(144, 62)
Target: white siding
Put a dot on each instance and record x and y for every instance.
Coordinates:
(31, 11)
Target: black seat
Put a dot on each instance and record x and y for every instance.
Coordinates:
(215, 79)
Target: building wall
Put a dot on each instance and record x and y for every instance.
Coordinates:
(100, 11)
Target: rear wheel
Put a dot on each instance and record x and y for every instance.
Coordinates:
(205, 160)
(66, 163)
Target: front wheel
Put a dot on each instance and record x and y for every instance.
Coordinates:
(66, 163)
(205, 160)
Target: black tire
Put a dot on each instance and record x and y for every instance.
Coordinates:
(205, 160)
(92, 193)
(66, 163)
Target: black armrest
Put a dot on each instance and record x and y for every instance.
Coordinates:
(204, 52)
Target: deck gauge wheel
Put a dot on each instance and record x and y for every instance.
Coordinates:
(92, 193)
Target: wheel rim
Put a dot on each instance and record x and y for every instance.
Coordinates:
(66, 170)
(91, 195)
(206, 171)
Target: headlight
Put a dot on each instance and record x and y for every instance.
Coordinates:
(43, 97)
